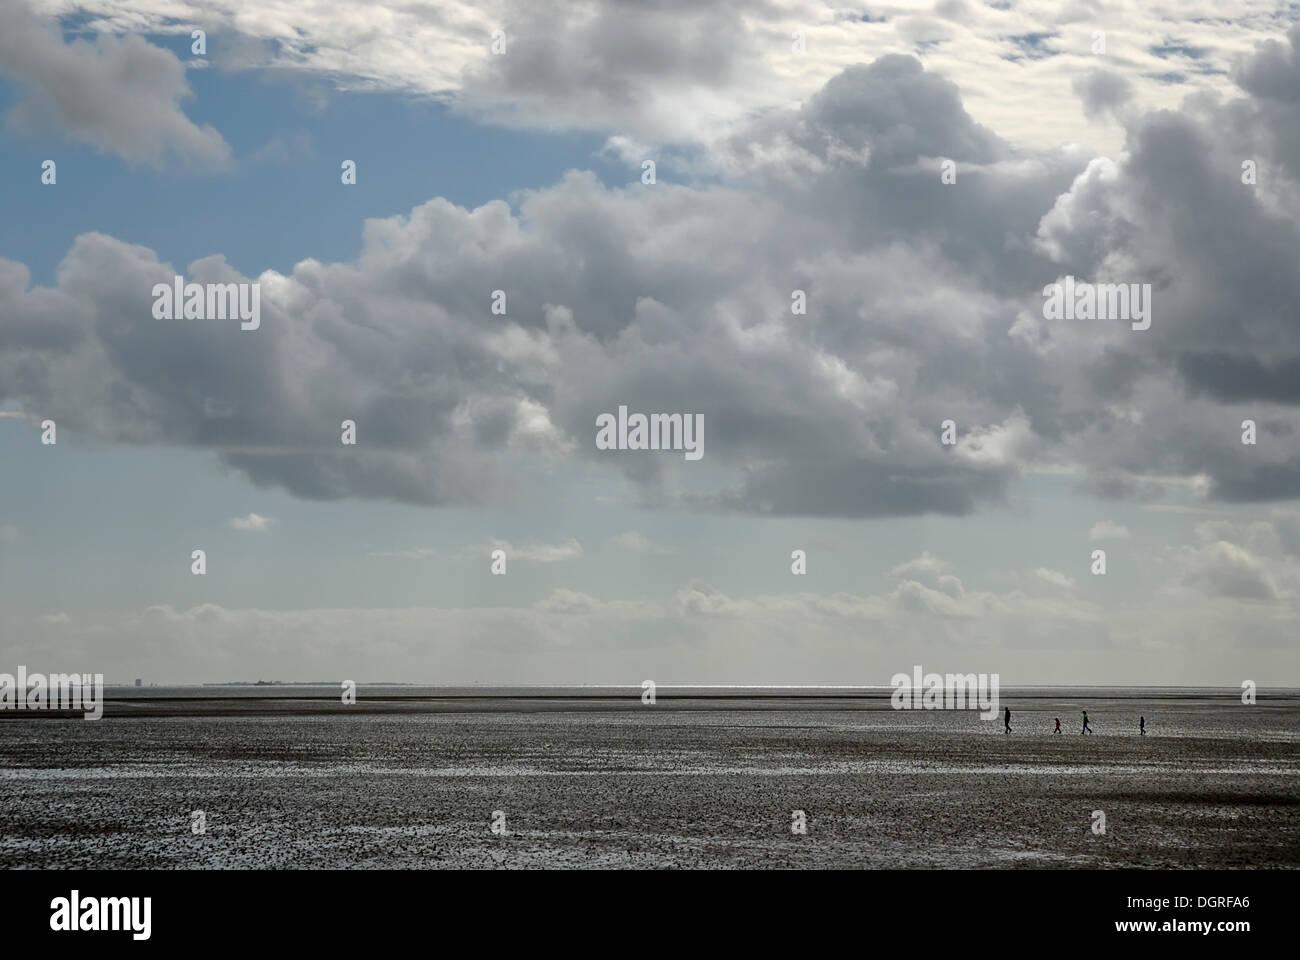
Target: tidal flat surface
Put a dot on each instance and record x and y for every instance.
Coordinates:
(413, 782)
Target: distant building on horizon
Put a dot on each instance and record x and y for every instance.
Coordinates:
(139, 682)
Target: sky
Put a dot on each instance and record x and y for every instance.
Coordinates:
(854, 216)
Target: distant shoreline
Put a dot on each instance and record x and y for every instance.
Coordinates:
(330, 691)
(286, 700)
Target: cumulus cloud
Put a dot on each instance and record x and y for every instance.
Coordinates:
(1273, 71)
(925, 304)
(1143, 218)
(540, 552)
(635, 542)
(1247, 560)
(253, 523)
(1054, 578)
(594, 64)
(1104, 93)
(1042, 621)
(119, 94)
(930, 572)
(1108, 530)
(1222, 569)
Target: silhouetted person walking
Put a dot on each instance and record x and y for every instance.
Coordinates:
(1058, 725)
(1007, 720)
(1142, 725)
(1086, 728)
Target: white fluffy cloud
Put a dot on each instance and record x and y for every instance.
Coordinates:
(1108, 530)
(538, 552)
(635, 542)
(253, 523)
(1256, 561)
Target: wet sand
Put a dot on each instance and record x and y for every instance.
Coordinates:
(413, 783)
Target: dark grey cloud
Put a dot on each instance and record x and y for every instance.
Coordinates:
(1273, 71)
(120, 94)
(1238, 378)
(867, 489)
(1247, 483)
(1223, 257)
(1103, 93)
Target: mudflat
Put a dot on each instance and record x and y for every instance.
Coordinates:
(420, 783)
